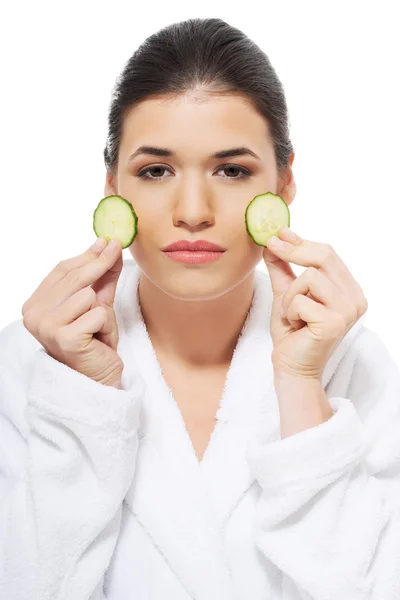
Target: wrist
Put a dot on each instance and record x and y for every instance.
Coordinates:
(302, 403)
(285, 378)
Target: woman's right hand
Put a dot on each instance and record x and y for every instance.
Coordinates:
(72, 315)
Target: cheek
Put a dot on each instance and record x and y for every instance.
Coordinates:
(252, 251)
(151, 225)
(142, 257)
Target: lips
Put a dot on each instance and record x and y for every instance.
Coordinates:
(197, 246)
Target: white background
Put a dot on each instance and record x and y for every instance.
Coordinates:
(339, 65)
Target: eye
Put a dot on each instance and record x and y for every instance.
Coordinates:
(244, 172)
(144, 174)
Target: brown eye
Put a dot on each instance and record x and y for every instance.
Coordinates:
(144, 174)
(244, 172)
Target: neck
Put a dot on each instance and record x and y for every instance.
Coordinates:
(200, 334)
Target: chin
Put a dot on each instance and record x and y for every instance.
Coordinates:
(198, 283)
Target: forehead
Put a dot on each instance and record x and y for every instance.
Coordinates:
(196, 120)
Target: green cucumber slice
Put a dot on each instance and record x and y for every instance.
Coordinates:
(265, 215)
(115, 218)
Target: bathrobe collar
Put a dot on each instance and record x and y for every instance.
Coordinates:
(182, 503)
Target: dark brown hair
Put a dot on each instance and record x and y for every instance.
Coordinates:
(206, 53)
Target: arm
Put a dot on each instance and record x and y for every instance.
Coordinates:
(311, 404)
(65, 471)
(329, 513)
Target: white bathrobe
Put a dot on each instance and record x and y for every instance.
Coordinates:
(102, 496)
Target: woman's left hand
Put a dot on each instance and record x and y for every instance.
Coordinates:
(318, 308)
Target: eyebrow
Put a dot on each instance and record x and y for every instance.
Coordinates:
(153, 151)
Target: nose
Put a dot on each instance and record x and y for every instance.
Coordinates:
(194, 203)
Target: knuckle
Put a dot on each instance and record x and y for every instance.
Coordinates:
(27, 305)
(28, 321)
(363, 306)
(353, 314)
(89, 293)
(92, 293)
(103, 312)
(297, 301)
(313, 272)
(93, 299)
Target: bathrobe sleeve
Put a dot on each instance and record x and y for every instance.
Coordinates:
(68, 448)
(329, 512)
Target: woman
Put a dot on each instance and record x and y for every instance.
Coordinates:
(173, 430)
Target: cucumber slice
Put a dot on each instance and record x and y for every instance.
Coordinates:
(115, 218)
(265, 215)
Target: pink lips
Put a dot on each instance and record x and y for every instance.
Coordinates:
(188, 256)
(196, 246)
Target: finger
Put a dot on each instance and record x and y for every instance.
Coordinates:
(89, 273)
(74, 307)
(305, 309)
(62, 269)
(322, 322)
(81, 277)
(55, 323)
(323, 291)
(323, 257)
(280, 272)
(109, 334)
(101, 324)
(82, 331)
(106, 286)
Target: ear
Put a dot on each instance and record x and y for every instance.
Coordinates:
(109, 188)
(287, 186)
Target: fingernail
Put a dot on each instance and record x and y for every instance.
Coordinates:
(98, 244)
(291, 234)
(112, 244)
(276, 242)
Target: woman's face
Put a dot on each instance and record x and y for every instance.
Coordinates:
(196, 196)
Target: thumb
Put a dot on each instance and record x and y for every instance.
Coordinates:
(109, 333)
(280, 272)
